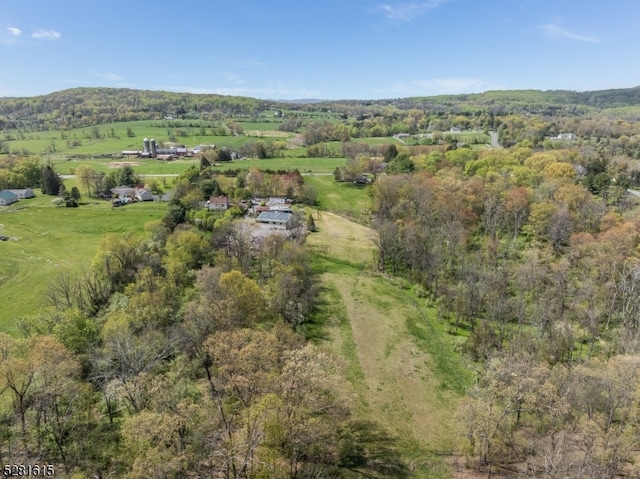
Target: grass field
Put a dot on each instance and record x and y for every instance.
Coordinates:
(51, 240)
(403, 368)
(155, 167)
(110, 139)
(342, 198)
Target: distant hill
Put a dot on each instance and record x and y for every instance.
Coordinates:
(91, 106)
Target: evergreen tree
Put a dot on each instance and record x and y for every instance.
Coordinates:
(51, 182)
(311, 224)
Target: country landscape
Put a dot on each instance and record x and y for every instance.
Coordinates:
(215, 286)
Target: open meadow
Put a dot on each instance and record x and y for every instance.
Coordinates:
(403, 367)
(47, 241)
(112, 139)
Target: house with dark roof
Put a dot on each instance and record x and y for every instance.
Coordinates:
(7, 198)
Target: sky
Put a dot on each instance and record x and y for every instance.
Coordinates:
(325, 49)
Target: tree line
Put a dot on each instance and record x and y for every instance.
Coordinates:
(532, 256)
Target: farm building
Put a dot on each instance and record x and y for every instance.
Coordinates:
(143, 195)
(276, 218)
(219, 203)
(7, 197)
(123, 192)
(23, 193)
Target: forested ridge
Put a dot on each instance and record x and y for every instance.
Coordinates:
(90, 106)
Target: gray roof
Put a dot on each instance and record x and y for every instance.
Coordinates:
(8, 195)
(273, 217)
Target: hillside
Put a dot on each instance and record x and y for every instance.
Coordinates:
(89, 106)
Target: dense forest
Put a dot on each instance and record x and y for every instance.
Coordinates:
(182, 353)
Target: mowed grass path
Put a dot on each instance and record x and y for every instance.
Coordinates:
(402, 366)
(54, 240)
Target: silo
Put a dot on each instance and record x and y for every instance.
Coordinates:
(145, 145)
(154, 150)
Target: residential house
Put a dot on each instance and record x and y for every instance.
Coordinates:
(218, 203)
(7, 198)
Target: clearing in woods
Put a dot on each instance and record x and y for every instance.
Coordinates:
(403, 369)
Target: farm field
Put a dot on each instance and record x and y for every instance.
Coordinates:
(111, 139)
(156, 167)
(52, 241)
(402, 366)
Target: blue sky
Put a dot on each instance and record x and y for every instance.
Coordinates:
(329, 49)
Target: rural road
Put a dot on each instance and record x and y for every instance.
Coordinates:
(494, 140)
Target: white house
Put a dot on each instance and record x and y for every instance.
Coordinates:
(220, 203)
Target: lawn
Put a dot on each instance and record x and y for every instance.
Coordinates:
(51, 240)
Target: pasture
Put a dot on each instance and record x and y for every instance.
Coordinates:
(403, 369)
(111, 139)
(50, 241)
(342, 198)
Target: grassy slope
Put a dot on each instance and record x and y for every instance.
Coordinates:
(53, 240)
(342, 198)
(403, 369)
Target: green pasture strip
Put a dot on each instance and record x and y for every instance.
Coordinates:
(265, 126)
(52, 240)
(140, 165)
(381, 140)
(304, 165)
(343, 198)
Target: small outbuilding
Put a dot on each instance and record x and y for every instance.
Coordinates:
(24, 193)
(124, 192)
(143, 195)
(7, 197)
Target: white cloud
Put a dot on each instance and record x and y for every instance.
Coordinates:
(553, 30)
(42, 34)
(106, 76)
(9, 35)
(440, 86)
(408, 11)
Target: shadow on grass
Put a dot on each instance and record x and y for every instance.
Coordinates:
(315, 328)
(322, 263)
(369, 451)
